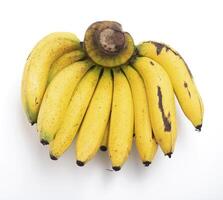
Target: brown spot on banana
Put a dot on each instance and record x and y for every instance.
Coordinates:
(159, 48)
(151, 62)
(36, 101)
(166, 122)
(186, 86)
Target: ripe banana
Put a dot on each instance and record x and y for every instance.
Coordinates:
(64, 61)
(107, 89)
(93, 126)
(75, 113)
(104, 143)
(181, 78)
(161, 102)
(145, 142)
(37, 68)
(57, 98)
(121, 122)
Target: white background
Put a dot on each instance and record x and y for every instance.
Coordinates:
(195, 171)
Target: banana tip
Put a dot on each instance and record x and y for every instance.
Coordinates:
(146, 163)
(198, 128)
(103, 148)
(80, 163)
(169, 154)
(32, 123)
(53, 157)
(44, 142)
(116, 168)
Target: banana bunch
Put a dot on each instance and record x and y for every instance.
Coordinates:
(106, 90)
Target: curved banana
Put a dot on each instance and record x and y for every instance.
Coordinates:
(75, 113)
(161, 102)
(57, 98)
(121, 122)
(104, 143)
(181, 78)
(93, 126)
(37, 68)
(64, 61)
(145, 143)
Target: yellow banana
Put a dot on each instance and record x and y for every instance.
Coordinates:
(95, 121)
(145, 143)
(37, 68)
(161, 102)
(121, 123)
(75, 113)
(181, 78)
(64, 61)
(57, 98)
(104, 143)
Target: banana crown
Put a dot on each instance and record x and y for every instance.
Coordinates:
(107, 45)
